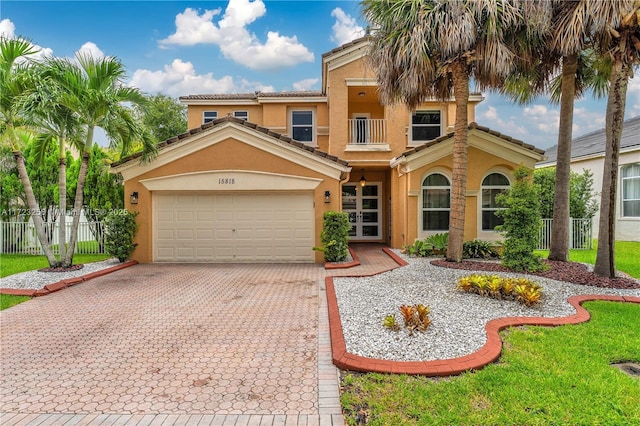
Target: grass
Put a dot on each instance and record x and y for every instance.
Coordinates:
(545, 376)
(15, 263)
(627, 254)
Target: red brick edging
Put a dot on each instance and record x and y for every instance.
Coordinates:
(57, 286)
(453, 366)
(344, 265)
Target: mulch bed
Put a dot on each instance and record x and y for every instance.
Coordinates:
(573, 272)
(62, 269)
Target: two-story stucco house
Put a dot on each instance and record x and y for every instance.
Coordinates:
(251, 180)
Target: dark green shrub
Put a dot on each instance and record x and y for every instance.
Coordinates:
(335, 236)
(438, 242)
(522, 221)
(119, 229)
(478, 249)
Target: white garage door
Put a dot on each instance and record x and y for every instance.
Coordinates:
(256, 227)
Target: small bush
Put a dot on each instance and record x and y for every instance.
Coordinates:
(335, 236)
(438, 242)
(419, 248)
(120, 228)
(521, 290)
(478, 249)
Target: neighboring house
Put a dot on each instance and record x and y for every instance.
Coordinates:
(252, 179)
(587, 152)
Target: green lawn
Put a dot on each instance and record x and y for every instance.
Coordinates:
(14, 263)
(545, 376)
(627, 256)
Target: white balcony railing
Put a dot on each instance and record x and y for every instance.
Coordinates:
(365, 131)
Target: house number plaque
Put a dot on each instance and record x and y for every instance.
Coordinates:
(226, 181)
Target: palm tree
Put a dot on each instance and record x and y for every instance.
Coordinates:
(618, 37)
(563, 45)
(424, 49)
(94, 90)
(16, 82)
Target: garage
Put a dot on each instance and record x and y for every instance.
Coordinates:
(233, 227)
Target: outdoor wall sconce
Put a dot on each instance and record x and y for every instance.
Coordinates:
(327, 197)
(361, 94)
(363, 181)
(134, 197)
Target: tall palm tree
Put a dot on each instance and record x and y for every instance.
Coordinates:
(563, 45)
(618, 37)
(16, 82)
(424, 49)
(93, 88)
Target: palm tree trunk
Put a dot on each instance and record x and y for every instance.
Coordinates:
(605, 257)
(559, 249)
(32, 203)
(62, 203)
(460, 75)
(77, 208)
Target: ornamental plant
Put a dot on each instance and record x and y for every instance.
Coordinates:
(119, 229)
(416, 318)
(522, 221)
(522, 290)
(335, 236)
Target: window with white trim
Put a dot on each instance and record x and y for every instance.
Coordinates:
(425, 125)
(492, 185)
(242, 115)
(208, 116)
(631, 190)
(436, 202)
(302, 126)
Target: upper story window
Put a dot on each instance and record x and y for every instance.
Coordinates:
(242, 115)
(425, 126)
(302, 125)
(436, 202)
(631, 190)
(208, 116)
(492, 185)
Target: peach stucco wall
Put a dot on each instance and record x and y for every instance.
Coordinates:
(406, 211)
(229, 154)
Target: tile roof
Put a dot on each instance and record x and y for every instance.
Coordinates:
(595, 142)
(253, 96)
(346, 46)
(471, 127)
(184, 137)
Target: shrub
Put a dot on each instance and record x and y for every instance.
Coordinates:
(478, 249)
(522, 290)
(335, 236)
(438, 242)
(522, 221)
(120, 228)
(419, 248)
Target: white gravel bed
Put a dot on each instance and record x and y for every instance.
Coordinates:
(37, 280)
(458, 318)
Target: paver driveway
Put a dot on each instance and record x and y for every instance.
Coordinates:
(173, 339)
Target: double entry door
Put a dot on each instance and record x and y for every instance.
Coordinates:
(363, 205)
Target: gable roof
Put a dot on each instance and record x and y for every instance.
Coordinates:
(593, 144)
(472, 126)
(184, 138)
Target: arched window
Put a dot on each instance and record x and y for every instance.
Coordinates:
(436, 202)
(631, 190)
(492, 185)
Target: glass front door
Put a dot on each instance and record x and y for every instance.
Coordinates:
(363, 206)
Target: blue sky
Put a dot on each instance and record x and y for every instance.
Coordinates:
(190, 47)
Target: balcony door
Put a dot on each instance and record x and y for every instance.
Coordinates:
(365, 213)
(360, 128)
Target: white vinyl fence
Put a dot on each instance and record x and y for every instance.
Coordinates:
(21, 238)
(580, 234)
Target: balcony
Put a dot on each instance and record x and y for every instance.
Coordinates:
(366, 134)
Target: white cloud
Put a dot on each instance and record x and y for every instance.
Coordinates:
(7, 29)
(346, 28)
(306, 84)
(180, 78)
(234, 40)
(91, 49)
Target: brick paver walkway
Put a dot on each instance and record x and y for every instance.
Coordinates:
(173, 344)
